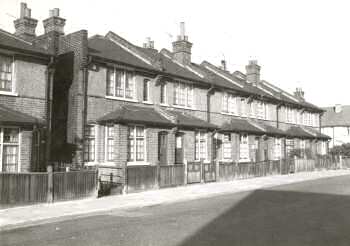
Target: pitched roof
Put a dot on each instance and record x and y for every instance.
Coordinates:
(12, 117)
(270, 130)
(186, 120)
(298, 132)
(241, 125)
(9, 40)
(102, 47)
(331, 118)
(317, 133)
(136, 114)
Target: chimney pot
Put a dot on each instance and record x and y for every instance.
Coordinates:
(54, 22)
(182, 47)
(223, 65)
(22, 10)
(56, 12)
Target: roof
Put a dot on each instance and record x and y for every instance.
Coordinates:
(270, 130)
(298, 132)
(330, 118)
(186, 120)
(9, 40)
(102, 47)
(241, 125)
(136, 114)
(12, 117)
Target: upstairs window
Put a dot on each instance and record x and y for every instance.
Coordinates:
(229, 104)
(252, 109)
(261, 114)
(6, 83)
(9, 149)
(244, 107)
(201, 151)
(183, 95)
(162, 94)
(120, 83)
(146, 90)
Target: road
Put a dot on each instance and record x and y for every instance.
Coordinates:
(308, 213)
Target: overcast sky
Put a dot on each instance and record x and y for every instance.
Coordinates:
(298, 43)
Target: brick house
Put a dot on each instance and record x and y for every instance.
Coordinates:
(115, 104)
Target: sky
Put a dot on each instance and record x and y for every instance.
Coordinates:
(298, 43)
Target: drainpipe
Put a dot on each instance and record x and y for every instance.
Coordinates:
(209, 91)
(85, 101)
(49, 92)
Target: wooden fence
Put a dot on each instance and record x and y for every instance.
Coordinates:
(30, 188)
(141, 178)
(345, 162)
(171, 175)
(194, 172)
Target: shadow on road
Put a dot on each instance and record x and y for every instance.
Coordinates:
(270, 217)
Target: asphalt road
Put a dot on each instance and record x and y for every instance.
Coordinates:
(308, 213)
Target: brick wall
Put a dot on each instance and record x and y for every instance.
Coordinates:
(25, 150)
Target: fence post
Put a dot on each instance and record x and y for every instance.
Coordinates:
(157, 175)
(202, 170)
(97, 180)
(217, 170)
(341, 162)
(49, 184)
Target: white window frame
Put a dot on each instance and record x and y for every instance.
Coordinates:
(244, 106)
(137, 162)
(13, 78)
(229, 104)
(323, 148)
(188, 95)
(225, 145)
(165, 94)
(106, 144)
(124, 74)
(278, 149)
(252, 113)
(261, 108)
(198, 135)
(2, 146)
(244, 143)
(95, 147)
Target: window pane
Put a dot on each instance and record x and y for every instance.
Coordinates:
(119, 90)
(110, 82)
(162, 93)
(145, 89)
(5, 73)
(129, 85)
(10, 158)
(139, 131)
(11, 135)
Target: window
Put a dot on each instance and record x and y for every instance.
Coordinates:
(229, 104)
(163, 93)
(136, 143)
(89, 145)
(9, 147)
(289, 146)
(6, 74)
(251, 109)
(261, 110)
(244, 107)
(120, 83)
(145, 90)
(201, 145)
(227, 146)
(109, 143)
(278, 149)
(244, 148)
(183, 95)
(323, 148)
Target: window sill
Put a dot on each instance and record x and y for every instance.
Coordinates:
(183, 107)
(107, 164)
(138, 163)
(231, 114)
(120, 99)
(244, 160)
(204, 161)
(147, 102)
(164, 104)
(91, 164)
(9, 93)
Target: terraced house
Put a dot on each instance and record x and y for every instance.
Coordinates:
(117, 105)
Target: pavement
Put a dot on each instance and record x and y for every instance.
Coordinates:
(26, 216)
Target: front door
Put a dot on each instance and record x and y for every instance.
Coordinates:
(162, 148)
(179, 150)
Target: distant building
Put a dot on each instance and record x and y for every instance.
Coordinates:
(336, 124)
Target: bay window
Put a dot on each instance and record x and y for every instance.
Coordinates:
(136, 143)
(162, 94)
(183, 95)
(120, 83)
(229, 103)
(89, 143)
(146, 90)
(6, 83)
(201, 150)
(244, 148)
(9, 147)
(227, 146)
(109, 143)
(278, 149)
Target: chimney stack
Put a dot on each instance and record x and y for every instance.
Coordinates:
(253, 72)
(299, 93)
(54, 23)
(337, 108)
(149, 44)
(25, 25)
(223, 65)
(182, 47)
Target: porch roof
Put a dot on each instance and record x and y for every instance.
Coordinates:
(271, 130)
(298, 132)
(12, 117)
(186, 120)
(136, 114)
(241, 125)
(318, 134)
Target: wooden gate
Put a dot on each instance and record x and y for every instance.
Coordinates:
(171, 175)
(209, 172)
(193, 172)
